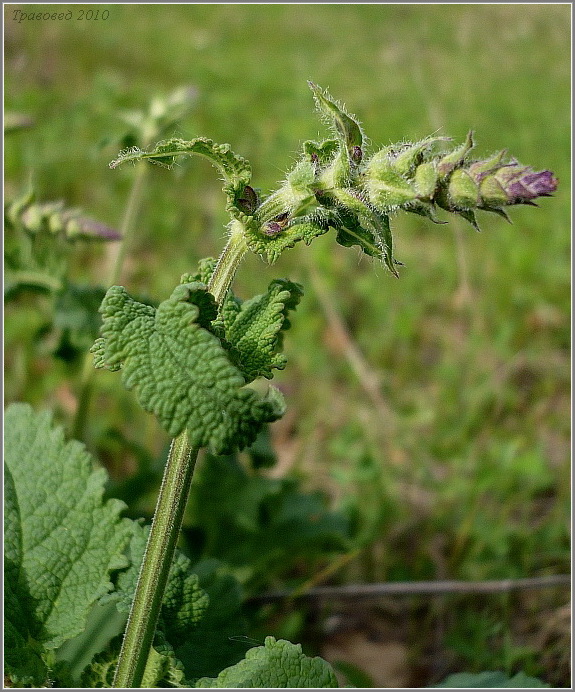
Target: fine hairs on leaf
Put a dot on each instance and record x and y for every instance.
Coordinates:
(198, 361)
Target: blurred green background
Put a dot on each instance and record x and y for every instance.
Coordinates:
(434, 409)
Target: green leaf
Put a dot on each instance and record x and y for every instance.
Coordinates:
(359, 224)
(262, 452)
(206, 268)
(162, 668)
(179, 370)
(262, 526)
(225, 502)
(100, 671)
(324, 151)
(276, 664)
(490, 680)
(345, 126)
(256, 332)
(200, 623)
(304, 228)
(61, 541)
(354, 676)
(104, 623)
(235, 170)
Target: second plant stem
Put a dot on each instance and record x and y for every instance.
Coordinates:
(169, 513)
(127, 229)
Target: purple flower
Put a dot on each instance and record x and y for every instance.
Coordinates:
(522, 184)
(95, 229)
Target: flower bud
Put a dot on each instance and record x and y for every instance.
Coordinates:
(479, 169)
(272, 228)
(456, 157)
(516, 184)
(522, 184)
(356, 154)
(248, 201)
(463, 190)
(33, 218)
(385, 187)
(425, 180)
(406, 161)
(297, 191)
(492, 192)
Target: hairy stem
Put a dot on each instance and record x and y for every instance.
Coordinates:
(228, 262)
(169, 513)
(156, 564)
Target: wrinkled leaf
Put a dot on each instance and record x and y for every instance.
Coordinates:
(256, 331)
(276, 664)
(179, 370)
(236, 170)
(184, 602)
(61, 541)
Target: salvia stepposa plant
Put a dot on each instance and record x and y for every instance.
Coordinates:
(336, 184)
(191, 360)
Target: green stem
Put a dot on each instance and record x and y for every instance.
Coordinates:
(35, 278)
(169, 513)
(156, 564)
(228, 262)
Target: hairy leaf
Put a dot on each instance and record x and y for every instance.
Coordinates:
(206, 268)
(276, 664)
(346, 127)
(256, 331)
(236, 170)
(321, 152)
(357, 223)
(61, 541)
(253, 329)
(371, 231)
(179, 370)
(304, 228)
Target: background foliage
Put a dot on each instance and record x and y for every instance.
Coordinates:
(449, 455)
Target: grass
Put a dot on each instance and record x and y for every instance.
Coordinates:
(466, 473)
